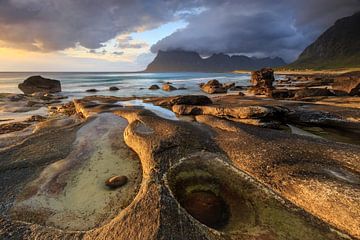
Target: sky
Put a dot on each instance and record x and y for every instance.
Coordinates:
(125, 35)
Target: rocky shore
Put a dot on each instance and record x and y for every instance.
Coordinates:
(277, 160)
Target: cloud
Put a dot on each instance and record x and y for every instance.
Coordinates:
(127, 41)
(258, 28)
(51, 25)
(118, 53)
(252, 27)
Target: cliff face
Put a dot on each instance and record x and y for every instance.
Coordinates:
(337, 47)
(183, 61)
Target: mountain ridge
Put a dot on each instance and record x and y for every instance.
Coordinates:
(189, 61)
(337, 47)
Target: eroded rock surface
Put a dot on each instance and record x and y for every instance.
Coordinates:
(265, 184)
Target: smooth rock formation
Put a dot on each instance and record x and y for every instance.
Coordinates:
(214, 179)
(36, 84)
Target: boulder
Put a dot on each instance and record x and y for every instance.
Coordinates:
(39, 84)
(116, 181)
(342, 86)
(92, 90)
(114, 89)
(168, 87)
(213, 86)
(262, 81)
(154, 87)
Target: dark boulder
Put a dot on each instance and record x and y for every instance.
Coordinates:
(114, 89)
(154, 87)
(92, 90)
(39, 84)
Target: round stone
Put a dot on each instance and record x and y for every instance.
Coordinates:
(116, 181)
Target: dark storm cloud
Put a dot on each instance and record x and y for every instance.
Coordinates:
(58, 24)
(264, 28)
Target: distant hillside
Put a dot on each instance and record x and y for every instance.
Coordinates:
(183, 61)
(337, 47)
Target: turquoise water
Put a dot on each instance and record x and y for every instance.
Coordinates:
(130, 84)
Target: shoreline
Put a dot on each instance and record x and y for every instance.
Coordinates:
(185, 142)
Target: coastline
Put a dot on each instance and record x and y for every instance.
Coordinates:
(182, 140)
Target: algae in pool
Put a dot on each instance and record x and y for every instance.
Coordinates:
(70, 194)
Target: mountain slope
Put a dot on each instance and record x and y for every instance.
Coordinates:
(337, 47)
(183, 61)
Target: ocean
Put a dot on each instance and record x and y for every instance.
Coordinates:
(74, 85)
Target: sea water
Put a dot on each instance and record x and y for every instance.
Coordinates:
(130, 84)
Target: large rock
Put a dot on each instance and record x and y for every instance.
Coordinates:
(39, 84)
(154, 87)
(213, 86)
(168, 87)
(262, 81)
(346, 86)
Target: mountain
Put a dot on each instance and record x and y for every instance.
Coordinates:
(337, 47)
(185, 61)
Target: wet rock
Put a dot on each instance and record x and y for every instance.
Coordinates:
(39, 84)
(312, 92)
(114, 88)
(92, 90)
(213, 86)
(168, 87)
(116, 181)
(262, 81)
(154, 87)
